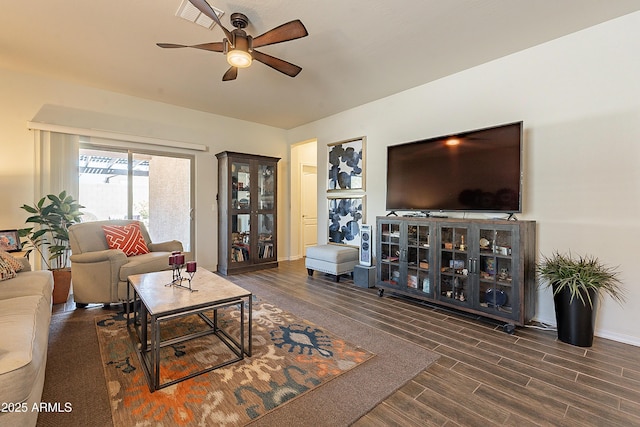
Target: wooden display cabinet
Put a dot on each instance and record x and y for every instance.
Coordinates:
(247, 212)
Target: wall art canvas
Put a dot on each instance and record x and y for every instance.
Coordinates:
(346, 165)
(346, 216)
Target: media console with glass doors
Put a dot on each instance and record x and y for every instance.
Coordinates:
(485, 267)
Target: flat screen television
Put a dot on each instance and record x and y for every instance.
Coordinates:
(475, 171)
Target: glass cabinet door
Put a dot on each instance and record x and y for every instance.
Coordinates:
(240, 185)
(265, 196)
(266, 187)
(496, 270)
(240, 209)
(265, 236)
(240, 238)
(455, 284)
(389, 239)
(419, 259)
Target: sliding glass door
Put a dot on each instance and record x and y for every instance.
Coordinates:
(153, 188)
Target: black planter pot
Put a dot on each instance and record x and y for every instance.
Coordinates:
(575, 320)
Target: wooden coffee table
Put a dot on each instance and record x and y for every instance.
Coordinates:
(156, 301)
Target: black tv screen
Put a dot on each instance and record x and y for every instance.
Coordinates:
(478, 171)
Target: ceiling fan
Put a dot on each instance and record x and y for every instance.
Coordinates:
(239, 47)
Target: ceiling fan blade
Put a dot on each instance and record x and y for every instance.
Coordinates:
(231, 74)
(284, 67)
(213, 47)
(204, 7)
(285, 32)
(170, 45)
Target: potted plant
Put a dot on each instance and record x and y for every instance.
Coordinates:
(578, 282)
(51, 217)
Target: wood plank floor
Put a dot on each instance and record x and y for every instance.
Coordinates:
(484, 376)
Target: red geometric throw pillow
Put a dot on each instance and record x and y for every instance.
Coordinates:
(127, 238)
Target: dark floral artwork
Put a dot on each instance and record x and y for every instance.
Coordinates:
(346, 165)
(345, 220)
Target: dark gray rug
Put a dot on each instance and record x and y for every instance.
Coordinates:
(75, 374)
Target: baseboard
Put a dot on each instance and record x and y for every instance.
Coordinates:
(613, 336)
(626, 339)
(551, 322)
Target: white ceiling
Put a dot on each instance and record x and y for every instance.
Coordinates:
(357, 51)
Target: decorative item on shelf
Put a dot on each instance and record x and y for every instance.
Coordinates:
(504, 274)
(463, 247)
(484, 244)
(495, 297)
(578, 282)
(426, 285)
(412, 281)
(502, 250)
(490, 266)
(456, 264)
(177, 262)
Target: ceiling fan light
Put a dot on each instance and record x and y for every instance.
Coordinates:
(239, 58)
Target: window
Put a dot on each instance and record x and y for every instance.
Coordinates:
(155, 188)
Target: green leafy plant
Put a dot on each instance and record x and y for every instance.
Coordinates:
(49, 236)
(579, 274)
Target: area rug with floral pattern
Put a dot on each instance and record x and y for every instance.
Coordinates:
(290, 357)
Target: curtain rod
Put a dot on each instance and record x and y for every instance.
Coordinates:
(115, 135)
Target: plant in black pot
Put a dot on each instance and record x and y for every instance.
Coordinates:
(578, 282)
(51, 217)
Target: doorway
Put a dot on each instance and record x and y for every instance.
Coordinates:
(309, 206)
(304, 197)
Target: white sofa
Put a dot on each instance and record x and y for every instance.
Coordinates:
(25, 315)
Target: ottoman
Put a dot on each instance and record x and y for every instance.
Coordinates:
(331, 259)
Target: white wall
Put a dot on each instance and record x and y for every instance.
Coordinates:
(579, 98)
(24, 95)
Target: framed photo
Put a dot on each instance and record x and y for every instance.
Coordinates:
(346, 165)
(10, 241)
(346, 216)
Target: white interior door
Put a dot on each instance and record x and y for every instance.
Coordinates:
(309, 208)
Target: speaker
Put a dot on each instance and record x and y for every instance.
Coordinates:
(366, 245)
(364, 277)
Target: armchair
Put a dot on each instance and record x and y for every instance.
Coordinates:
(99, 274)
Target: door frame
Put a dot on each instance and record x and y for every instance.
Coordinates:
(301, 242)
